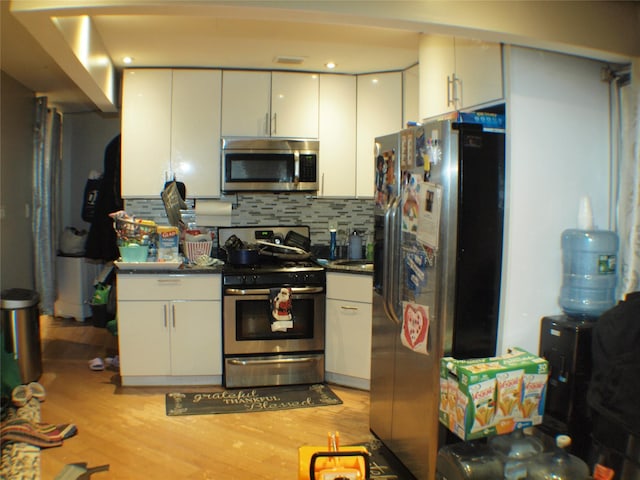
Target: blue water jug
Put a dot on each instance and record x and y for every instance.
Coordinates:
(589, 274)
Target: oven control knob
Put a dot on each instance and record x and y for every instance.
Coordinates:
(249, 280)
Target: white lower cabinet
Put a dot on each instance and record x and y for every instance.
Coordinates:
(169, 329)
(348, 329)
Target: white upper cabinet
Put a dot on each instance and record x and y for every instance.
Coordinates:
(479, 71)
(294, 104)
(337, 136)
(246, 104)
(410, 90)
(195, 131)
(379, 112)
(170, 128)
(265, 104)
(146, 131)
(457, 73)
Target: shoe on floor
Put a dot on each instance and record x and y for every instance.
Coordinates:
(37, 390)
(21, 395)
(96, 364)
(112, 362)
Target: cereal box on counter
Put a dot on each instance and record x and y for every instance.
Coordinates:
(489, 396)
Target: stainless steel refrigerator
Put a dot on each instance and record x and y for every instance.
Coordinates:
(439, 208)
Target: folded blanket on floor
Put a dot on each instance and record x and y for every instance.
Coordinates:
(21, 460)
(36, 433)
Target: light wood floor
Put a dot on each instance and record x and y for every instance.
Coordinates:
(126, 427)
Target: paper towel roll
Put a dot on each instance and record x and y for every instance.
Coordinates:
(213, 213)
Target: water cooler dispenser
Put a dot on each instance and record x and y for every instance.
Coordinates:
(566, 344)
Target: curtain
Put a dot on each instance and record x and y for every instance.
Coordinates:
(627, 125)
(46, 160)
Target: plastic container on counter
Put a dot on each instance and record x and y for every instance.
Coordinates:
(355, 246)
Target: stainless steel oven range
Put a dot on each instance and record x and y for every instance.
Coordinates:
(273, 313)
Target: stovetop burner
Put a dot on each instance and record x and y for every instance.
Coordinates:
(275, 266)
(305, 273)
(271, 270)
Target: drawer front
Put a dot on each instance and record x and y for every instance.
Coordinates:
(277, 369)
(352, 287)
(169, 287)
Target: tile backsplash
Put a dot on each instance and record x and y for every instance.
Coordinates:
(277, 209)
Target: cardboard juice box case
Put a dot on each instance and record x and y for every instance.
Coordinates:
(489, 396)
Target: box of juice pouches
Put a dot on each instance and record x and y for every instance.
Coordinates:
(489, 396)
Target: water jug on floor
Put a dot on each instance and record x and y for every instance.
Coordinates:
(515, 449)
(558, 465)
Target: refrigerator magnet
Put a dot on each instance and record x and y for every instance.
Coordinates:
(416, 263)
(428, 230)
(420, 148)
(410, 204)
(415, 327)
(407, 154)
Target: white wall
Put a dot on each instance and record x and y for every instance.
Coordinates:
(557, 151)
(16, 175)
(86, 136)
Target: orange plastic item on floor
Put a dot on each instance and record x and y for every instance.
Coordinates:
(320, 463)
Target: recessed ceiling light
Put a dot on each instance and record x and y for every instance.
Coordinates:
(330, 65)
(127, 60)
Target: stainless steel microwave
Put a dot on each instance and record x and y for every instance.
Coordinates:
(265, 164)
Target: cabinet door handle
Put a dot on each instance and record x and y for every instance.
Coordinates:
(164, 311)
(452, 90)
(275, 124)
(267, 125)
(348, 307)
(172, 281)
(173, 315)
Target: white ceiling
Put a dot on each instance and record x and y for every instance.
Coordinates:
(361, 36)
(207, 41)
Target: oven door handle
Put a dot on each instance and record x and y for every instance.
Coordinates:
(266, 291)
(270, 361)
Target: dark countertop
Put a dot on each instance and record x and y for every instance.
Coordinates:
(182, 270)
(196, 270)
(358, 267)
(337, 266)
(347, 269)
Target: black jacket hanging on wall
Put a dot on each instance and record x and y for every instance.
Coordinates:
(102, 242)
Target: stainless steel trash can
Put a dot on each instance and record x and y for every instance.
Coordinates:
(21, 331)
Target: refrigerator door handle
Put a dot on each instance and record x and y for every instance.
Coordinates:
(386, 254)
(392, 280)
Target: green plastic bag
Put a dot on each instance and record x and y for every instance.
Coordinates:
(101, 294)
